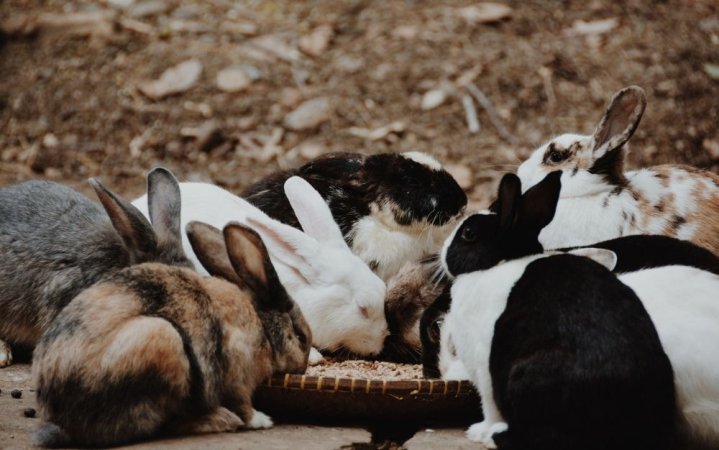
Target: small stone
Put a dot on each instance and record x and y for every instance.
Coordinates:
(712, 147)
(317, 41)
(309, 114)
(485, 12)
(50, 141)
(594, 27)
(233, 79)
(209, 135)
(29, 412)
(174, 80)
(433, 99)
(149, 8)
(16, 393)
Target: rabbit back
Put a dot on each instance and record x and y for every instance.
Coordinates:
(143, 352)
(53, 243)
(586, 340)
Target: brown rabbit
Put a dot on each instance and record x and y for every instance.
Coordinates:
(155, 349)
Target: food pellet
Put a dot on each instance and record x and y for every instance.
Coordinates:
(16, 393)
(366, 369)
(29, 412)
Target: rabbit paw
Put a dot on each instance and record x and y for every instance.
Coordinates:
(482, 432)
(315, 357)
(5, 355)
(259, 420)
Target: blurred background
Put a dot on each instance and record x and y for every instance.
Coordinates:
(229, 91)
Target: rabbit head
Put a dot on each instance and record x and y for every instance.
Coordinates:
(237, 254)
(509, 230)
(342, 299)
(595, 163)
(160, 241)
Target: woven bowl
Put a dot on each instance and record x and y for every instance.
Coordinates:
(334, 399)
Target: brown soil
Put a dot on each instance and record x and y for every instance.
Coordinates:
(70, 107)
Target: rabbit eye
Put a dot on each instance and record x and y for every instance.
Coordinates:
(434, 330)
(469, 234)
(557, 156)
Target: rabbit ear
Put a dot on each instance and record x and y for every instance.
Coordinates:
(620, 120)
(539, 203)
(312, 211)
(252, 264)
(163, 201)
(508, 198)
(208, 243)
(605, 257)
(287, 244)
(132, 226)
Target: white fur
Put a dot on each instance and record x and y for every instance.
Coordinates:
(342, 300)
(683, 303)
(582, 218)
(478, 299)
(424, 159)
(379, 238)
(259, 420)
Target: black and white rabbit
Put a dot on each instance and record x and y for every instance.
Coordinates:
(154, 349)
(55, 242)
(600, 201)
(391, 208)
(563, 354)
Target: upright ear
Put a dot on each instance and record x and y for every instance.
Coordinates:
(605, 257)
(620, 120)
(312, 211)
(508, 199)
(287, 244)
(164, 204)
(208, 243)
(252, 264)
(132, 226)
(539, 203)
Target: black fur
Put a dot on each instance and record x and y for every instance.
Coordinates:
(577, 363)
(483, 240)
(351, 182)
(646, 251)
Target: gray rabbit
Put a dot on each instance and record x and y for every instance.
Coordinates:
(55, 242)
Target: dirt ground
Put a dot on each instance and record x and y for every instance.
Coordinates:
(16, 429)
(77, 99)
(71, 104)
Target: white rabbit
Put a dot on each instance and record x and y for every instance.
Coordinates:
(600, 201)
(341, 298)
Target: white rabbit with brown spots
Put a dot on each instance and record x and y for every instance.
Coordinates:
(600, 201)
(160, 350)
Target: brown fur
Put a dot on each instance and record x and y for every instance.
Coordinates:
(156, 349)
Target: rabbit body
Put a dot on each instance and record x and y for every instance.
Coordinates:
(158, 350)
(563, 354)
(339, 295)
(391, 208)
(587, 369)
(55, 242)
(600, 201)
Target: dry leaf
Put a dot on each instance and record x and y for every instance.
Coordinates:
(173, 80)
(485, 12)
